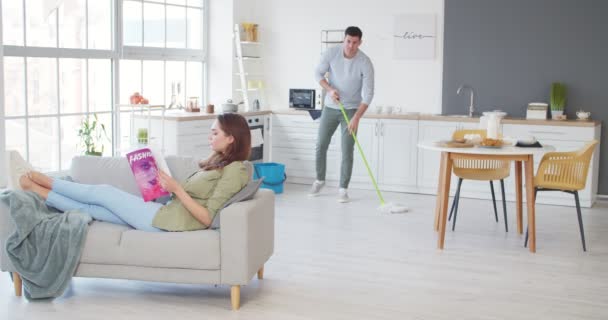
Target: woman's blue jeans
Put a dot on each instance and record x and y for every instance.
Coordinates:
(104, 203)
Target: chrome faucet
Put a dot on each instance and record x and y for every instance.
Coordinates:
(471, 105)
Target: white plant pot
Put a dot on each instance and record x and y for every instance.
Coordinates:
(556, 113)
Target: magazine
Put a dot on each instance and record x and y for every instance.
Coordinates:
(146, 172)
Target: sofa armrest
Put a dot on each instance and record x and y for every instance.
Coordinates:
(246, 237)
(7, 227)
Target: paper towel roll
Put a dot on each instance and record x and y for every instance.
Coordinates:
(257, 139)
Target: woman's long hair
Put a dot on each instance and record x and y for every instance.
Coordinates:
(236, 126)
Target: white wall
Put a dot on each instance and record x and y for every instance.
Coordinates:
(290, 33)
(219, 72)
(2, 131)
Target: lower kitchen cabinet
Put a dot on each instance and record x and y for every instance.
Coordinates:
(389, 147)
(397, 155)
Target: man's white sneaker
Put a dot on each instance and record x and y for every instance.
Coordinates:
(316, 188)
(343, 196)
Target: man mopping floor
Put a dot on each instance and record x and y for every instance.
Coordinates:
(351, 82)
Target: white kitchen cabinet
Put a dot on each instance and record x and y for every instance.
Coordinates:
(367, 134)
(389, 147)
(397, 154)
(294, 139)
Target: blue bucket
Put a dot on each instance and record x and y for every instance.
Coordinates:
(273, 173)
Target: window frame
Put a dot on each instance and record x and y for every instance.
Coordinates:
(56, 53)
(163, 54)
(115, 54)
(3, 175)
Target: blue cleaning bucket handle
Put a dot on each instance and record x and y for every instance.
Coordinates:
(270, 183)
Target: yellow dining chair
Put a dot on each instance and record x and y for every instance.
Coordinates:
(566, 172)
(481, 170)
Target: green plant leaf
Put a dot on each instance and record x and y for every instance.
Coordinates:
(92, 133)
(557, 96)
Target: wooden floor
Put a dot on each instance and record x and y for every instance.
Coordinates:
(347, 261)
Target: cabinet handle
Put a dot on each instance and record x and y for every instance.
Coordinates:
(376, 129)
(382, 129)
(548, 132)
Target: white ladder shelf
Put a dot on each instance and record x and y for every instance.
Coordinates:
(242, 60)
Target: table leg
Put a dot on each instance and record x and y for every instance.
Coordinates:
(445, 196)
(529, 167)
(518, 198)
(442, 165)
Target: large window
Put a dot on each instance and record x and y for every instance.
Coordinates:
(57, 70)
(163, 56)
(87, 57)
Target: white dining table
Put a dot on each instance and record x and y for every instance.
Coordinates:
(519, 155)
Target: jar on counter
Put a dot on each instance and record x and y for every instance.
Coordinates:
(192, 105)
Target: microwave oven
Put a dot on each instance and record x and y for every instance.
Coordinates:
(302, 99)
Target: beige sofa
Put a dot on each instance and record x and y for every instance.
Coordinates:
(230, 255)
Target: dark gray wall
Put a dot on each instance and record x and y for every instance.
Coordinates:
(511, 50)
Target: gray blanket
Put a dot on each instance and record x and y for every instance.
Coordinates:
(46, 245)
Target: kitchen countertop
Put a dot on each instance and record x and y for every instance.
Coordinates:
(438, 117)
(179, 115)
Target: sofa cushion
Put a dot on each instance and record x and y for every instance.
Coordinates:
(108, 243)
(182, 167)
(245, 194)
(114, 171)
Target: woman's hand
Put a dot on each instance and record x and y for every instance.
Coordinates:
(168, 183)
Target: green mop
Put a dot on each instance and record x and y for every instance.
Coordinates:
(384, 207)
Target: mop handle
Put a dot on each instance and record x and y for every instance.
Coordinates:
(369, 171)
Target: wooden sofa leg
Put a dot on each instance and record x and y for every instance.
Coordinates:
(235, 297)
(17, 283)
(261, 273)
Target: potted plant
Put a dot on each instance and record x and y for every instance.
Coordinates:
(557, 100)
(92, 133)
(142, 136)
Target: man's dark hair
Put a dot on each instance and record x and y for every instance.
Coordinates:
(353, 32)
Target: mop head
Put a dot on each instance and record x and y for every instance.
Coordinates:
(393, 208)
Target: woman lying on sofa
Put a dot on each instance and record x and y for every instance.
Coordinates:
(194, 203)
